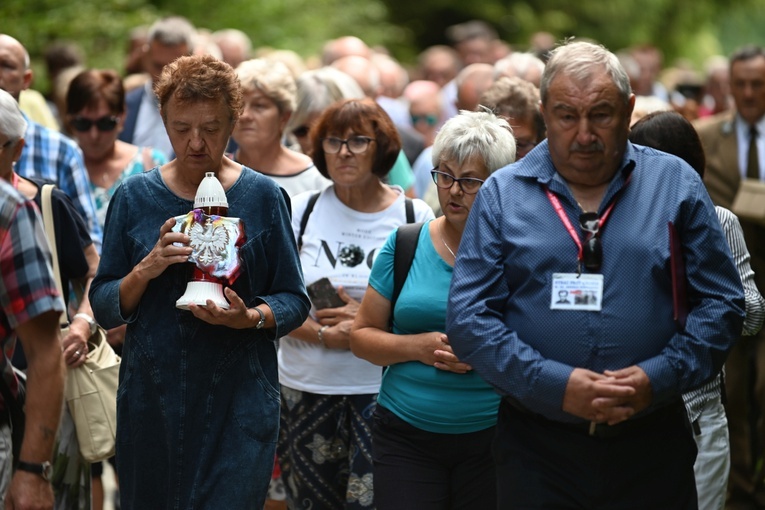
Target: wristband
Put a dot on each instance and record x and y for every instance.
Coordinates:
(321, 335)
(90, 320)
(262, 321)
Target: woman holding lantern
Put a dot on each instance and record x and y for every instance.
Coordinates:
(198, 403)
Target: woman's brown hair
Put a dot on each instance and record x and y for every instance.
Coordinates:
(362, 117)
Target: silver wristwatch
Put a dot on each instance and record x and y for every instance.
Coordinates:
(262, 321)
(90, 320)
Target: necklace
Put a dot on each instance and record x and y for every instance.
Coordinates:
(441, 234)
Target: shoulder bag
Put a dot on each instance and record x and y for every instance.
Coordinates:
(91, 389)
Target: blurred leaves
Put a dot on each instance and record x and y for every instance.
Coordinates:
(689, 28)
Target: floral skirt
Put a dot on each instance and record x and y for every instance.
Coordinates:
(325, 450)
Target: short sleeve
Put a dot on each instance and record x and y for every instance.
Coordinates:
(27, 287)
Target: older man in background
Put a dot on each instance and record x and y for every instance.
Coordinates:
(29, 308)
(47, 153)
(735, 151)
(168, 39)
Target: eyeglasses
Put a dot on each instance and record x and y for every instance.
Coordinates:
(468, 185)
(107, 123)
(356, 144)
(592, 250)
(300, 131)
(429, 119)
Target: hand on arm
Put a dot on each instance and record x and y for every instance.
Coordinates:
(165, 253)
(447, 360)
(371, 339)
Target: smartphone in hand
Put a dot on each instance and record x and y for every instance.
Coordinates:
(323, 294)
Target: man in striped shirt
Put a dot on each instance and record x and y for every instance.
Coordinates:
(47, 154)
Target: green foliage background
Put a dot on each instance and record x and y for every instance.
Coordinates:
(693, 29)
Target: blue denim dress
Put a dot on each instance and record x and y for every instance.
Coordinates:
(198, 405)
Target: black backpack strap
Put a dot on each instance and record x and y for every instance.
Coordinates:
(409, 207)
(304, 219)
(406, 245)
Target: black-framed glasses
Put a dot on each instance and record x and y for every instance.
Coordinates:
(469, 185)
(592, 249)
(356, 144)
(106, 123)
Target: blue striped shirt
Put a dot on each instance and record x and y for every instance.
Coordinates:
(499, 318)
(48, 154)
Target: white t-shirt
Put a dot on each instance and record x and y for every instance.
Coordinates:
(339, 243)
(309, 179)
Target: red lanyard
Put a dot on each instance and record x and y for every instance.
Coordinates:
(570, 228)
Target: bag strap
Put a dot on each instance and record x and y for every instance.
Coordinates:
(409, 208)
(407, 237)
(50, 233)
(304, 219)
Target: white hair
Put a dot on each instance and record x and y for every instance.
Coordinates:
(478, 133)
(12, 122)
(272, 78)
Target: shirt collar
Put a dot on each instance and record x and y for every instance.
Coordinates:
(742, 127)
(538, 164)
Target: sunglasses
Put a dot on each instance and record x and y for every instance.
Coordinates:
(107, 123)
(592, 249)
(429, 119)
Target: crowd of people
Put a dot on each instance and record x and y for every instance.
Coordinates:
(491, 279)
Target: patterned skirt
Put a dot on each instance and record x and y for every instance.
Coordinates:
(325, 450)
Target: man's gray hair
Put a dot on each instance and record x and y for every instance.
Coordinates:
(12, 122)
(481, 134)
(579, 59)
(173, 31)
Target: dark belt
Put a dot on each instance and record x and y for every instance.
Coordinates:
(604, 430)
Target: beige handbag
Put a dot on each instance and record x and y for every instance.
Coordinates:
(91, 389)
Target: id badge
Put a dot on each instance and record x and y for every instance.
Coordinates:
(576, 292)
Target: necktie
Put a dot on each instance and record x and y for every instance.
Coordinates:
(753, 162)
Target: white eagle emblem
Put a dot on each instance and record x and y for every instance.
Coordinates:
(209, 241)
